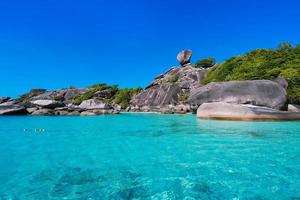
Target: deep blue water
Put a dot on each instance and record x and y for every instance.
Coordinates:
(147, 156)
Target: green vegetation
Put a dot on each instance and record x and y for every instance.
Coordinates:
(87, 95)
(183, 98)
(205, 63)
(262, 64)
(123, 96)
(119, 96)
(92, 90)
(59, 98)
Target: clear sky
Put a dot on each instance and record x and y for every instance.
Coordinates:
(59, 43)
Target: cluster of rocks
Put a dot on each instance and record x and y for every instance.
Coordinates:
(59, 102)
(169, 92)
(179, 91)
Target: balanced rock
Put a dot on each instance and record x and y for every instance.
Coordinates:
(184, 57)
(255, 92)
(227, 111)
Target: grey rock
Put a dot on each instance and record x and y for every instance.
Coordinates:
(34, 92)
(12, 109)
(87, 113)
(167, 109)
(227, 111)
(162, 92)
(43, 111)
(73, 93)
(184, 57)
(31, 110)
(256, 92)
(94, 104)
(182, 109)
(106, 94)
(67, 113)
(293, 108)
(4, 99)
(44, 96)
(282, 81)
(37, 91)
(47, 103)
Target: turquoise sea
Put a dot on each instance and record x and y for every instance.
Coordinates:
(147, 156)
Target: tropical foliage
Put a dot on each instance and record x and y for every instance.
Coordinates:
(262, 64)
(123, 96)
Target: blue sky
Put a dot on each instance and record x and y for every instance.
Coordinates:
(59, 43)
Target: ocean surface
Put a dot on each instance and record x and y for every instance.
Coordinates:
(147, 156)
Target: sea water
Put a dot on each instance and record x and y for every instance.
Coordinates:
(147, 156)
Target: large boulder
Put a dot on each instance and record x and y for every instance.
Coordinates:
(12, 109)
(94, 104)
(227, 111)
(184, 57)
(256, 92)
(47, 103)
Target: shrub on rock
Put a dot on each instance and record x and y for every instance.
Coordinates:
(205, 63)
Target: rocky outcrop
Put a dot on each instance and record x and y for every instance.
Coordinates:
(171, 88)
(227, 111)
(12, 109)
(256, 92)
(58, 102)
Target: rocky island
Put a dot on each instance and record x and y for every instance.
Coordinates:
(198, 88)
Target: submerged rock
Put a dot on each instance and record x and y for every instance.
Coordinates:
(256, 92)
(228, 111)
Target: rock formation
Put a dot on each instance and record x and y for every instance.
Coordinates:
(58, 102)
(171, 88)
(256, 92)
(9, 108)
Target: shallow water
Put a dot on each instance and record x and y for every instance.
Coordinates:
(147, 156)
